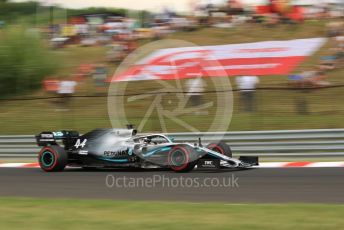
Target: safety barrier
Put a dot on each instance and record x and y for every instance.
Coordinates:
(280, 143)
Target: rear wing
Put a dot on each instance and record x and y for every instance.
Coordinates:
(68, 138)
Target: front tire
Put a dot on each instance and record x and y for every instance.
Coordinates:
(52, 158)
(181, 159)
(221, 147)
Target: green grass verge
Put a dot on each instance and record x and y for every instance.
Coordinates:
(81, 214)
(276, 110)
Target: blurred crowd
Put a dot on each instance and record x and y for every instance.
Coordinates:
(317, 76)
(122, 35)
(121, 31)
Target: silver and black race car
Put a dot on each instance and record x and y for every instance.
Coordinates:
(118, 148)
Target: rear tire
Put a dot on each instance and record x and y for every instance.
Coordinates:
(221, 147)
(182, 159)
(52, 158)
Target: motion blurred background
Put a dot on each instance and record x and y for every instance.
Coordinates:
(62, 61)
(57, 60)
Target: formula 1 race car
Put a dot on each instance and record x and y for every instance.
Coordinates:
(118, 148)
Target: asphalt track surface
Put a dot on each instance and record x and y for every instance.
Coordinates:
(263, 185)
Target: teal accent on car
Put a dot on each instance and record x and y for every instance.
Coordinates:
(58, 135)
(44, 154)
(114, 160)
(150, 153)
(171, 139)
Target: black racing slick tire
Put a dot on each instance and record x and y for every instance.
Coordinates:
(182, 159)
(221, 147)
(52, 158)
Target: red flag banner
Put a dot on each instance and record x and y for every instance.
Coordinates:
(260, 58)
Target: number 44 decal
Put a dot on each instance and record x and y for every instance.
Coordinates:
(79, 144)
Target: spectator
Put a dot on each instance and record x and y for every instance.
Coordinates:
(309, 79)
(66, 90)
(319, 79)
(247, 86)
(339, 49)
(328, 63)
(99, 76)
(116, 53)
(334, 29)
(2, 24)
(195, 88)
(302, 81)
(51, 86)
(84, 70)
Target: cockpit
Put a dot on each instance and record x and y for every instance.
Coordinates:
(153, 139)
